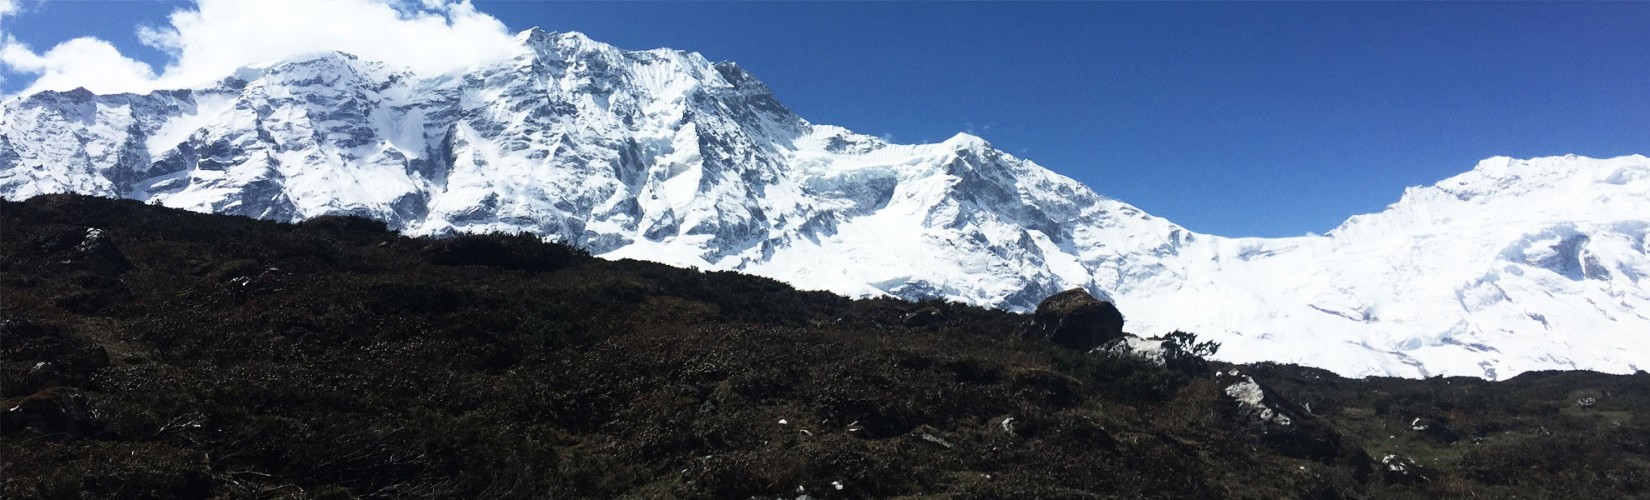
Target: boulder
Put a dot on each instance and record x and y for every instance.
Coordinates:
(1075, 320)
(79, 249)
(1132, 345)
(1402, 470)
(1434, 429)
(1285, 427)
(58, 411)
(100, 255)
(1258, 409)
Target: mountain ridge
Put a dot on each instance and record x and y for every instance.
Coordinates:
(663, 155)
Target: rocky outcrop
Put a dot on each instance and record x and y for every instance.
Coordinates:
(1074, 319)
(1284, 426)
(98, 254)
(61, 411)
(1434, 429)
(1402, 470)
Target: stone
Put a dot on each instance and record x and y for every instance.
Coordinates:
(100, 255)
(1434, 429)
(1074, 319)
(1285, 427)
(58, 411)
(1402, 470)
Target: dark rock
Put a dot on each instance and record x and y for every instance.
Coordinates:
(100, 255)
(75, 248)
(1400, 470)
(1434, 429)
(59, 411)
(926, 316)
(1076, 320)
(1257, 408)
(84, 248)
(1028, 425)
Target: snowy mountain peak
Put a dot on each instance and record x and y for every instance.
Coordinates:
(566, 43)
(539, 36)
(662, 155)
(570, 46)
(324, 67)
(967, 141)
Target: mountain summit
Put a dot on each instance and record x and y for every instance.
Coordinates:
(663, 155)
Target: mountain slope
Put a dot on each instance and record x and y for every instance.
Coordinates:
(1516, 265)
(665, 156)
(655, 154)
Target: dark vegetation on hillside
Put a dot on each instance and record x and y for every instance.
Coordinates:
(155, 353)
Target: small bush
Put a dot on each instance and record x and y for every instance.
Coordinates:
(1182, 351)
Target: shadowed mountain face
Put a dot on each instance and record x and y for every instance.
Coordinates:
(662, 155)
(155, 352)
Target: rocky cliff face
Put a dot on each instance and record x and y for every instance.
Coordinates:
(665, 156)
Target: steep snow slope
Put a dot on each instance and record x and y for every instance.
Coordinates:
(654, 154)
(1516, 265)
(663, 155)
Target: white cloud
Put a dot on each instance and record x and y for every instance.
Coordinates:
(7, 8)
(212, 39)
(221, 35)
(81, 62)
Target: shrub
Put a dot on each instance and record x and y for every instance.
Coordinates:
(1122, 375)
(1182, 351)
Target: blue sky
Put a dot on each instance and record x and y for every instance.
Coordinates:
(1252, 119)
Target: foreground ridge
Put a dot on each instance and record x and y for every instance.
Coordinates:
(154, 352)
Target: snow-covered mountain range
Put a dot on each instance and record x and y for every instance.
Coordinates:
(662, 155)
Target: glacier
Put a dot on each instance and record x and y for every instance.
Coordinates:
(662, 155)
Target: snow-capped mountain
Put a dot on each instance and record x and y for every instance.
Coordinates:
(663, 155)
(1514, 266)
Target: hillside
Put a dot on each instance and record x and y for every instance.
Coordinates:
(151, 352)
